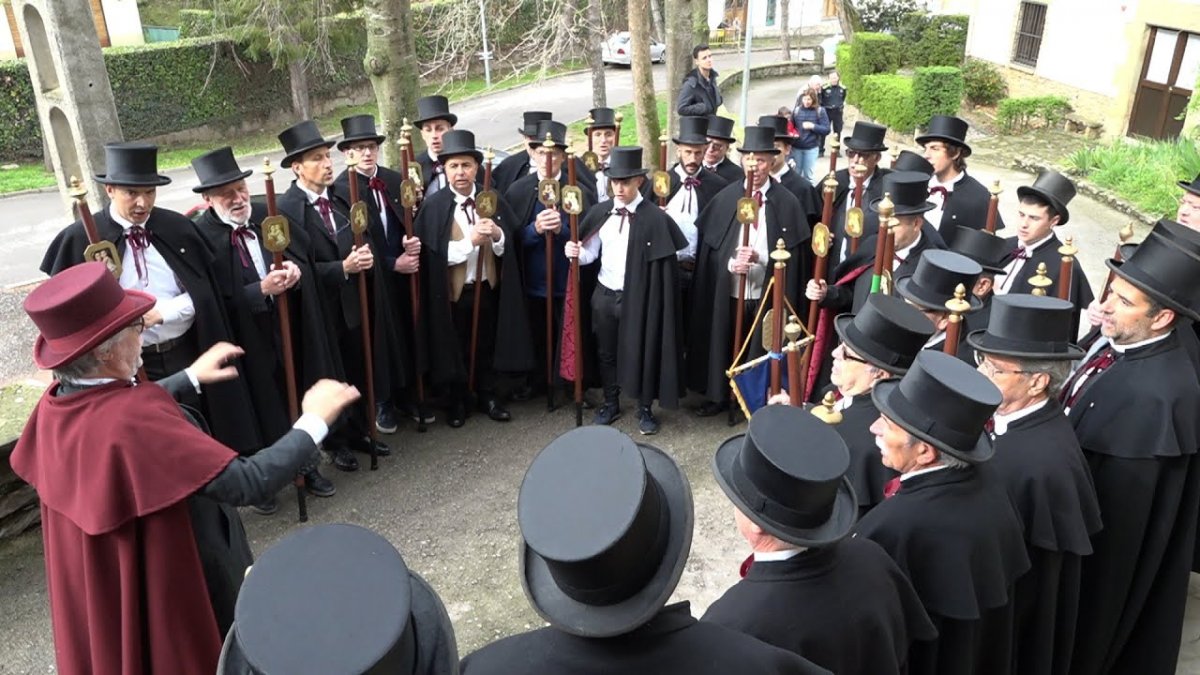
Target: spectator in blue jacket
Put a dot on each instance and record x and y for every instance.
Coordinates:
(812, 124)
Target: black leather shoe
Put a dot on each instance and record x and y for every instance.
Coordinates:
(318, 485)
(364, 446)
(344, 459)
(457, 415)
(266, 508)
(385, 421)
(711, 408)
(495, 411)
(523, 393)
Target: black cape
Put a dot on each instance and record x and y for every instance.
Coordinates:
(649, 346)
(226, 405)
(967, 205)
(730, 171)
(980, 318)
(672, 642)
(1039, 462)
(1081, 289)
(845, 607)
(959, 541)
(808, 196)
(1139, 431)
(710, 337)
(849, 296)
(867, 474)
(513, 353)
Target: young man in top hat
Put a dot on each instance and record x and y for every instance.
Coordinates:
(865, 145)
(453, 237)
(603, 133)
(992, 253)
(1134, 585)
(396, 365)
(807, 587)
(699, 94)
(722, 260)
(400, 624)
(434, 119)
(636, 310)
(312, 205)
(534, 221)
(958, 199)
(932, 284)
(783, 173)
(1026, 352)
(1189, 204)
(144, 550)
(943, 520)
(162, 254)
(520, 164)
(716, 157)
(604, 588)
(1043, 208)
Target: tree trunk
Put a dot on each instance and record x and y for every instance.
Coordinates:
(699, 24)
(656, 11)
(298, 78)
(785, 34)
(391, 64)
(847, 19)
(645, 105)
(680, 40)
(593, 37)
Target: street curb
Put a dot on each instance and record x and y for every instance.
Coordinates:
(30, 191)
(1102, 195)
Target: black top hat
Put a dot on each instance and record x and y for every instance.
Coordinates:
(217, 168)
(908, 160)
(531, 119)
(779, 124)
(606, 525)
(602, 118)
(359, 128)
(434, 108)
(909, 191)
(1166, 266)
(759, 140)
(938, 273)
(802, 498)
(132, 164)
(1028, 327)
(692, 131)
(887, 332)
(1192, 187)
(991, 252)
(1055, 188)
(946, 128)
(720, 128)
(459, 142)
(379, 613)
(944, 402)
(557, 131)
(625, 162)
(866, 137)
(299, 139)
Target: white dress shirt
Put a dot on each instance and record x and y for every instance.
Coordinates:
(602, 180)
(683, 209)
(379, 202)
(918, 472)
(252, 245)
(939, 201)
(759, 240)
(613, 241)
(1001, 421)
(462, 250)
(778, 556)
(172, 301)
(1004, 282)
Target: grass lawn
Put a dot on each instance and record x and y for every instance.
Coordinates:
(1142, 172)
(577, 138)
(16, 402)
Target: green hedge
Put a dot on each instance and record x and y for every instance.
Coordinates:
(1019, 114)
(195, 23)
(887, 98)
(935, 39)
(937, 90)
(869, 54)
(21, 133)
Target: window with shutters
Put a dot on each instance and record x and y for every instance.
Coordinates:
(1028, 40)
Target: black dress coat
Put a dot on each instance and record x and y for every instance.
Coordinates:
(710, 184)
(710, 336)
(844, 194)
(867, 474)
(967, 205)
(510, 170)
(1139, 431)
(845, 607)
(1039, 462)
(513, 352)
(649, 344)
(226, 405)
(980, 318)
(1081, 289)
(849, 295)
(958, 539)
(808, 196)
(730, 171)
(672, 642)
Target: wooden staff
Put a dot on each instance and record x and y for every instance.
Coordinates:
(662, 165)
(795, 383)
(618, 117)
(833, 155)
(993, 207)
(79, 193)
(888, 232)
(587, 129)
(958, 306)
(1040, 280)
(477, 292)
(358, 225)
(886, 208)
(414, 280)
(740, 310)
(277, 225)
(1123, 237)
(829, 187)
(549, 239)
(578, 318)
(780, 255)
(407, 147)
(821, 238)
(1066, 267)
(854, 217)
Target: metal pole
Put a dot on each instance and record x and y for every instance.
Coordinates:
(749, 27)
(487, 53)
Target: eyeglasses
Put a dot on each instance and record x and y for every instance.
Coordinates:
(139, 325)
(990, 369)
(845, 355)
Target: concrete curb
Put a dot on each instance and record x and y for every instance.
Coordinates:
(1102, 195)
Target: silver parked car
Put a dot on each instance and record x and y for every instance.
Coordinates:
(618, 50)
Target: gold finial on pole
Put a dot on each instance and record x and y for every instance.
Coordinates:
(489, 155)
(76, 188)
(995, 189)
(826, 411)
(780, 255)
(1126, 233)
(830, 182)
(268, 168)
(351, 158)
(958, 305)
(886, 207)
(1040, 280)
(549, 142)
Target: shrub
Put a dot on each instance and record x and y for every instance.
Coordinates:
(1142, 172)
(1019, 114)
(887, 15)
(21, 133)
(942, 42)
(888, 99)
(936, 90)
(195, 23)
(982, 83)
(870, 54)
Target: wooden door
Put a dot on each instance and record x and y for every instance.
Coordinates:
(1169, 72)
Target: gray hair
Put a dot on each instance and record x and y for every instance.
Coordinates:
(1058, 371)
(949, 461)
(86, 365)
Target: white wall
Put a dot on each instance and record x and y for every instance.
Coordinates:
(7, 49)
(801, 14)
(124, 22)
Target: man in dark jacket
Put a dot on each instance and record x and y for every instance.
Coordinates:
(865, 145)
(699, 95)
(958, 199)
(833, 100)
(716, 156)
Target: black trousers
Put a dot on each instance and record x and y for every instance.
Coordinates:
(536, 308)
(606, 326)
(178, 356)
(461, 311)
(351, 425)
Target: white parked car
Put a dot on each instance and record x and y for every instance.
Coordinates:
(618, 50)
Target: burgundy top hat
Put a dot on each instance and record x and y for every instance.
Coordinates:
(79, 308)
